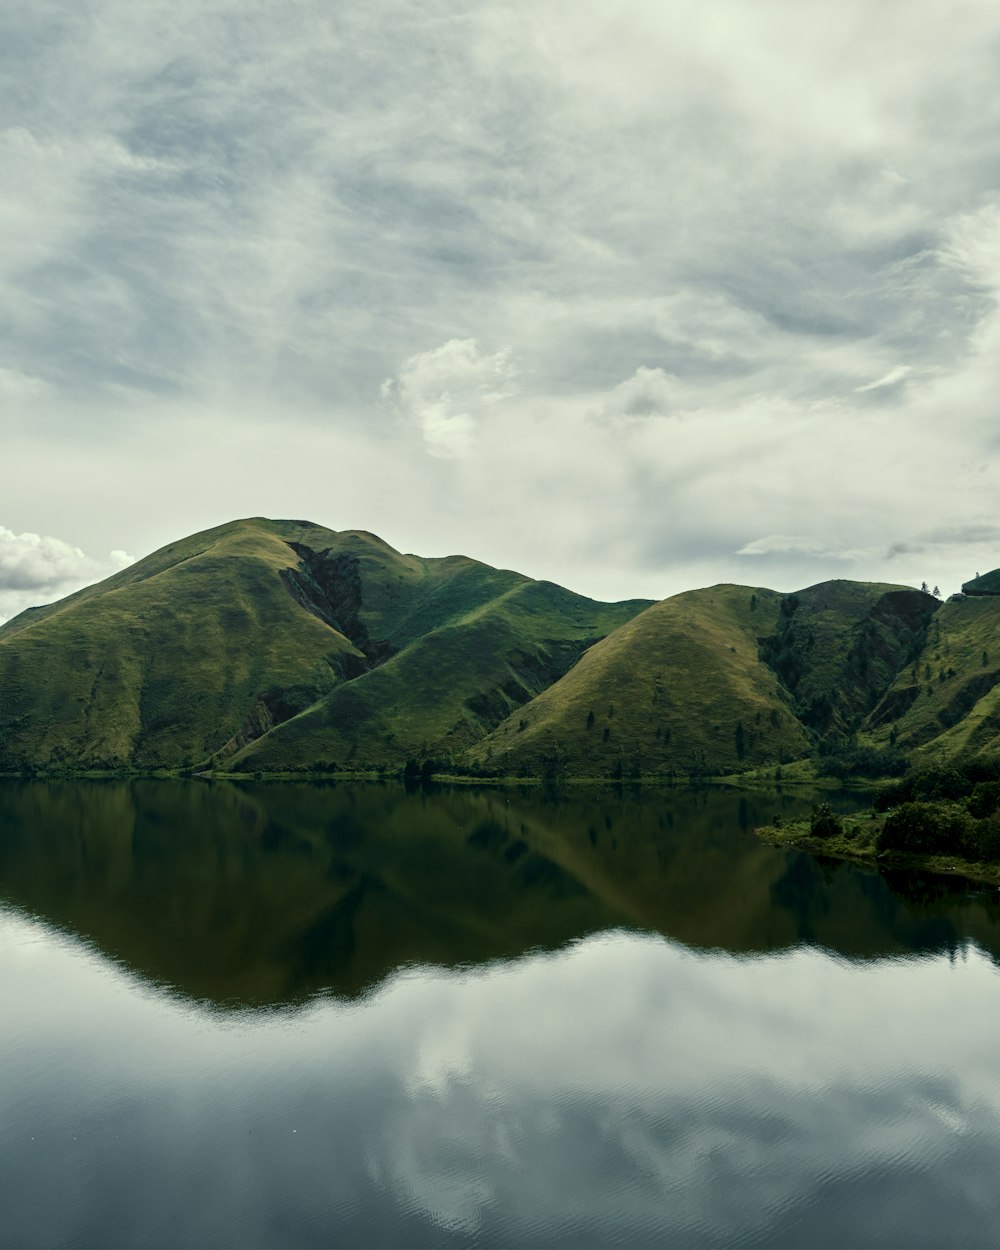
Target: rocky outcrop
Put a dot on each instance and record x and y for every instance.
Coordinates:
(328, 584)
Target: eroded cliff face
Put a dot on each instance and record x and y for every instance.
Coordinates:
(328, 584)
(838, 659)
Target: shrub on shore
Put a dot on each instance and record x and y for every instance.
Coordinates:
(922, 828)
(823, 823)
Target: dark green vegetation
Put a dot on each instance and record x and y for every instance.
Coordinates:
(987, 584)
(722, 680)
(945, 703)
(943, 819)
(268, 893)
(281, 647)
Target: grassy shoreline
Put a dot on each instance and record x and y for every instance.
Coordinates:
(753, 780)
(857, 843)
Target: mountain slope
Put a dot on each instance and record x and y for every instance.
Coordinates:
(162, 663)
(680, 687)
(446, 689)
(278, 646)
(947, 702)
(839, 646)
(719, 680)
(208, 644)
(985, 584)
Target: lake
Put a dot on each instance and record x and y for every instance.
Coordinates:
(352, 1014)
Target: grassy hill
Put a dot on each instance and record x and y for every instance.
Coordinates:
(277, 646)
(719, 680)
(946, 703)
(679, 687)
(987, 584)
(204, 647)
(444, 690)
(839, 645)
(162, 663)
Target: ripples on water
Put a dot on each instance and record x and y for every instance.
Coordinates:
(603, 1051)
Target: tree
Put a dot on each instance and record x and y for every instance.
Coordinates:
(823, 823)
(590, 720)
(923, 587)
(936, 592)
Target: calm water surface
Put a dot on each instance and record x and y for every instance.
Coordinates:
(277, 1015)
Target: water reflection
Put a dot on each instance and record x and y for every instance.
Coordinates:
(271, 894)
(562, 1038)
(624, 1090)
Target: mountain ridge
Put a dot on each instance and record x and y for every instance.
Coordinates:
(281, 646)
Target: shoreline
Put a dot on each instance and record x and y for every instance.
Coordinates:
(856, 844)
(737, 781)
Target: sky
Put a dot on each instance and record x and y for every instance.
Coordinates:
(635, 297)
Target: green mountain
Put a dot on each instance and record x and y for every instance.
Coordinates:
(721, 680)
(946, 703)
(281, 646)
(271, 644)
(679, 687)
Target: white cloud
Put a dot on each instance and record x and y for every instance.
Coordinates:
(972, 245)
(787, 544)
(36, 568)
(223, 226)
(780, 544)
(445, 392)
(647, 393)
(888, 379)
(15, 386)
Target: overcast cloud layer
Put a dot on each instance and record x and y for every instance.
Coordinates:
(636, 297)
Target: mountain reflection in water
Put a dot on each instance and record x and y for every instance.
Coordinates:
(316, 1015)
(269, 894)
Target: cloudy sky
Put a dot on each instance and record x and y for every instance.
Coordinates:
(634, 296)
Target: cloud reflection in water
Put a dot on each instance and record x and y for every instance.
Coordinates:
(623, 1089)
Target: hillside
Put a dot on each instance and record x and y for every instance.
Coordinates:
(680, 687)
(839, 645)
(446, 688)
(721, 680)
(207, 645)
(160, 664)
(947, 702)
(280, 646)
(987, 584)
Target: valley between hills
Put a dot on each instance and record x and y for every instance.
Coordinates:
(269, 647)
